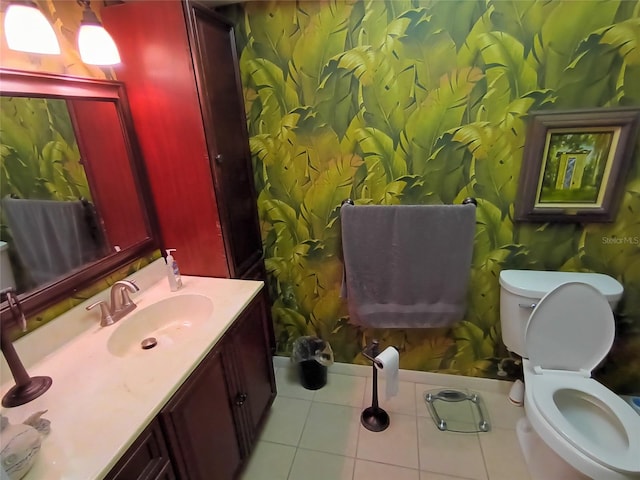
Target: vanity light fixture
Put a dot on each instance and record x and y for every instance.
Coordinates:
(94, 42)
(28, 30)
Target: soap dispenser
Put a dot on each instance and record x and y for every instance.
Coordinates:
(173, 273)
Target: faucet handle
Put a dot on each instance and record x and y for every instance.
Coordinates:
(105, 315)
(126, 299)
(120, 292)
(15, 307)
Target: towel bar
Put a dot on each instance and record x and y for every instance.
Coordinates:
(466, 201)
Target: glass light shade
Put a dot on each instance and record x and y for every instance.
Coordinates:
(27, 30)
(96, 46)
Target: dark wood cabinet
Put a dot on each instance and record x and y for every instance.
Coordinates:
(210, 424)
(180, 69)
(147, 458)
(248, 350)
(221, 99)
(199, 423)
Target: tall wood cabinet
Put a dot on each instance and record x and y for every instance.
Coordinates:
(179, 65)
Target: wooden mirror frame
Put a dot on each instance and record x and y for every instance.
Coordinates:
(23, 84)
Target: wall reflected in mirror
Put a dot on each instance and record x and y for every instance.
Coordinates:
(68, 194)
(48, 222)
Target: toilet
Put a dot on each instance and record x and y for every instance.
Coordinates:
(6, 277)
(562, 325)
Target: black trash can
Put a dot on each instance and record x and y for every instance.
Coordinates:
(312, 375)
(312, 356)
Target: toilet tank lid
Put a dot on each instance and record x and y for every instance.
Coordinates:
(536, 284)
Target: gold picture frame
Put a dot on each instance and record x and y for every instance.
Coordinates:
(574, 163)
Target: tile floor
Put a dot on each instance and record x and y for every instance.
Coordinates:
(317, 435)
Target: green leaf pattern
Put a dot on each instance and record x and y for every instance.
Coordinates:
(405, 102)
(39, 153)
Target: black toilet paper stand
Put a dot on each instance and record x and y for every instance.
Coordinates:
(374, 418)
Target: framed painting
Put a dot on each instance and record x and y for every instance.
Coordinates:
(574, 163)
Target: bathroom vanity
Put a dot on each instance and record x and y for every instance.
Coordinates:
(187, 408)
(210, 423)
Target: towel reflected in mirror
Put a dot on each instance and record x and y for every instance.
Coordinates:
(53, 238)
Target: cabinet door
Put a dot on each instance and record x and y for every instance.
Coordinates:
(219, 89)
(157, 69)
(146, 459)
(166, 473)
(254, 366)
(199, 424)
(257, 272)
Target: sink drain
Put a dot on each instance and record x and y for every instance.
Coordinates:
(148, 343)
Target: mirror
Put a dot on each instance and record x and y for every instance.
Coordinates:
(74, 201)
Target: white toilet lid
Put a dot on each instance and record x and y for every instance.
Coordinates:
(571, 328)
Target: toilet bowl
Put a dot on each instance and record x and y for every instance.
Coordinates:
(585, 424)
(567, 334)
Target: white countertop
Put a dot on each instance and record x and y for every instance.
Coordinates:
(99, 403)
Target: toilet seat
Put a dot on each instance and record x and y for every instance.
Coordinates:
(568, 334)
(575, 406)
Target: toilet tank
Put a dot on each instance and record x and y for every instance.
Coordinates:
(6, 274)
(520, 291)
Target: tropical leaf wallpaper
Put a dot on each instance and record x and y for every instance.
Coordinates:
(39, 155)
(426, 102)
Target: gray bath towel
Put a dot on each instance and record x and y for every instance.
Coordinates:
(407, 266)
(51, 237)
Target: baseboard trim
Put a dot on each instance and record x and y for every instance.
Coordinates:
(429, 378)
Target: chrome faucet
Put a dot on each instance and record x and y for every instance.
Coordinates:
(121, 303)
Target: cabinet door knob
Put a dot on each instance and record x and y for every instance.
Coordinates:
(219, 158)
(240, 399)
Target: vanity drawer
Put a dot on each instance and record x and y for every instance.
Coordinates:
(146, 459)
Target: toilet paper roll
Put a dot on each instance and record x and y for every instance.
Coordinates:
(388, 363)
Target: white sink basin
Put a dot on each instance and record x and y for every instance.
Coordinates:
(169, 321)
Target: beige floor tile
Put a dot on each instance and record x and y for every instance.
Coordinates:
(396, 445)
(502, 455)
(286, 420)
(342, 390)
(332, 429)
(269, 461)
(439, 476)
(332, 445)
(403, 402)
(312, 465)
(502, 413)
(457, 454)
(288, 384)
(366, 470)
